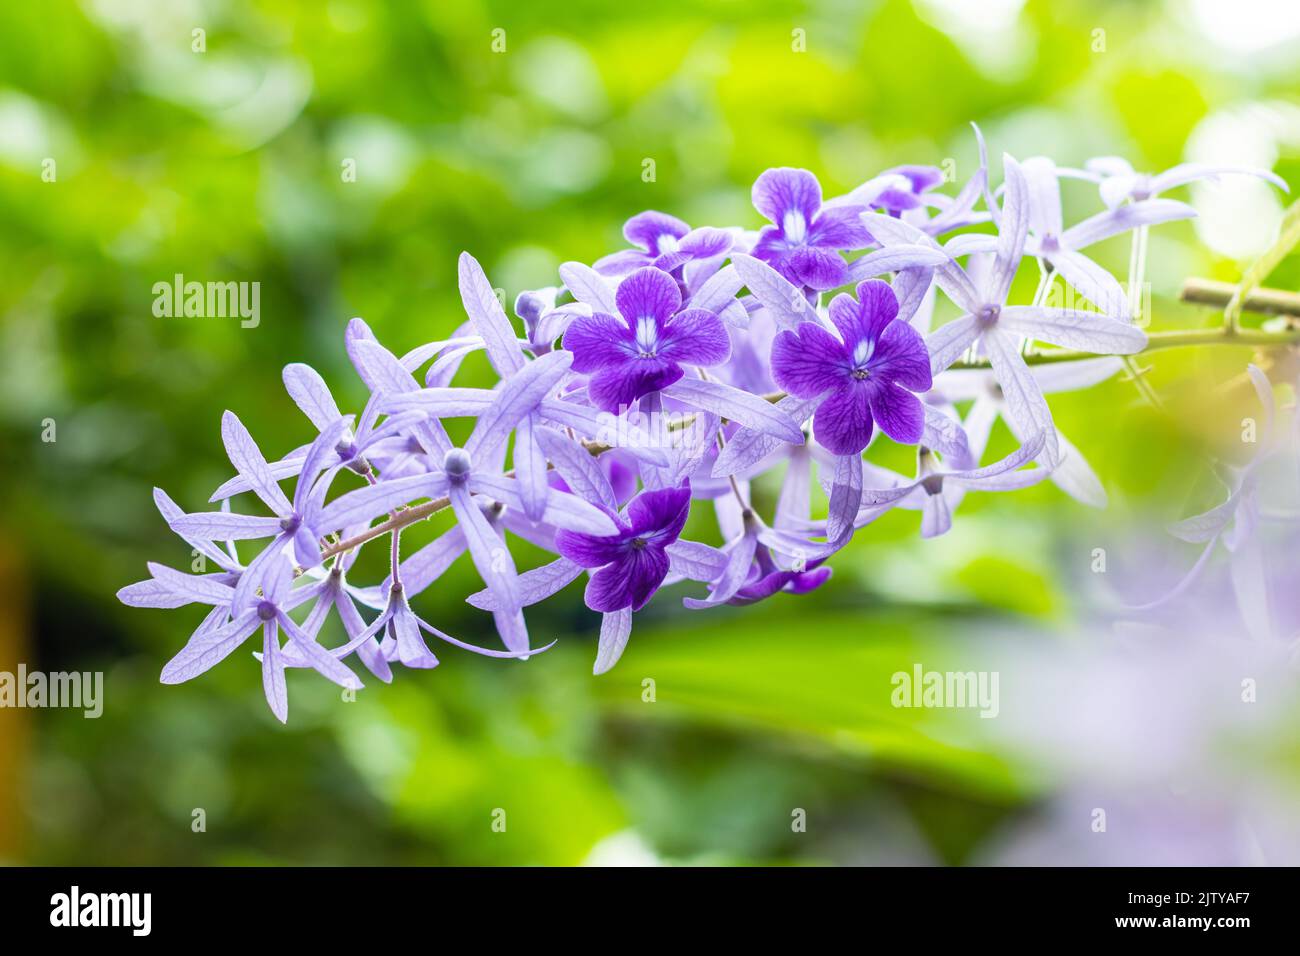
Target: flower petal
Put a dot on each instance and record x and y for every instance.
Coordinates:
(839, 229)
(817, 268)
(752, 411)
(1185, 173)
(750, 446)
(901, 357)
(316, 656)
(705, 242)
(225, 526)
(597, 341)
(645, 229)
(615, 629)
(1013, 227)
(580, 470)
(411, 649)
(863, 320)
(629, 582)
(562, 510)
(696, 337)
(277, 695)
(842, 423)
(249, 462)
(898, 413)
(1044, 192)
(648, 293)
(845, 498)
(783, 191)
(616, 387)
(495, 564)
(207, 649)
(534, 586)
(1149, 212)
(947, 343)
(662, 512)
(1025, 403)
(591, 551)
(310, 393)
(896, 259)
(785, 302)
(1092, 281)
(365, 504)
(488, 317)
(1073, 329)
(809, 361)
(514, 398)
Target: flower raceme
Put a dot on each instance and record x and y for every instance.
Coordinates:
(730, 332)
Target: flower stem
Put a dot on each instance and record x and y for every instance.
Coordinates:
(1137, 268)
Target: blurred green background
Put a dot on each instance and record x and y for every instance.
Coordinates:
(226, 164)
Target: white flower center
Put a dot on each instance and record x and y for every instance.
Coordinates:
(647, 336)
(794, 226)
(863, 352)
(667, 243)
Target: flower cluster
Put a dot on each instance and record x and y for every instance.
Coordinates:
(662, 377)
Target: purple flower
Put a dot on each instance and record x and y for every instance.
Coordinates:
(804, 242)
(643, 351)
(865, 374)
(894, 191)
(767, 579)
(664, 242)
(633, 562)
(745, 571)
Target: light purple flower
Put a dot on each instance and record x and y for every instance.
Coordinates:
(805, 240)
(864, 375)
(939, 486)
(295, 523)
(1072, 473)
(643, 350)
(1059, 247)
(1118, 181)
(269, 611)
